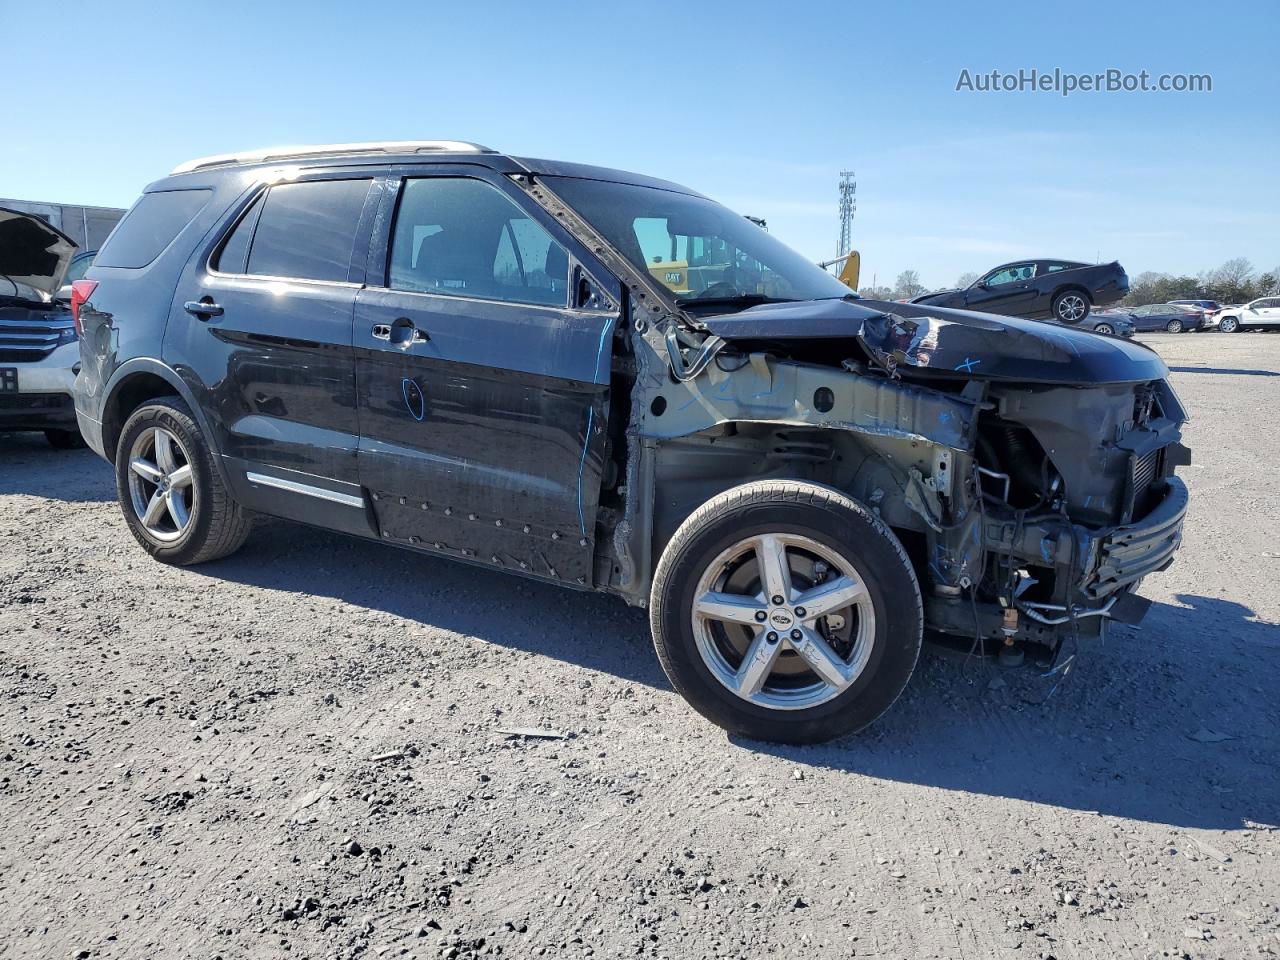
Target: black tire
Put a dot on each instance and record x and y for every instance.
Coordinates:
(218, 525)
(1229, 325)
(1105, 328)
(64, 439)
(1174, 326)
(1068, 304)
(829, 518)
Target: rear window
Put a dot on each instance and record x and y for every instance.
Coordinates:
(150, 227)
(306, 230)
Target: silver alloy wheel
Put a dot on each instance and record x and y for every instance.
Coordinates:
(160, 484)
(783, 621)
(1174, 326)
(1072, 308)
(1228, 324)
(1104, 328)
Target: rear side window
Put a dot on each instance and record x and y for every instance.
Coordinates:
(306, 230)
(150, 227)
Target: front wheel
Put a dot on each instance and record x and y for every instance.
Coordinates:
(1070, 306)
(1229, 325)
(1174, 326)
(1105, 328)
(172, 496)
(786, 611)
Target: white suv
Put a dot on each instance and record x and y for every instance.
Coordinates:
(1260, 314)
(39, 355)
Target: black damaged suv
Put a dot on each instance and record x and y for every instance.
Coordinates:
(613, 383)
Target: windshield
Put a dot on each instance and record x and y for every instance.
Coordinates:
(697, 249)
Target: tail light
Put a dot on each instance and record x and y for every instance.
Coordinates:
(81, 291)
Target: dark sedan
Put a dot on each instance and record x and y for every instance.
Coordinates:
(1170, 317)
(1062, 290)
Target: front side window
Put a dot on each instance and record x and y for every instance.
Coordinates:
(150, 226)
(465, 238)
(1015, 273)
(694, 247)
(307, 229)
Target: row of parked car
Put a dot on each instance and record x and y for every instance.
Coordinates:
(1186, 316)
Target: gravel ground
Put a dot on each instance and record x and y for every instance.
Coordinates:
(298, 751)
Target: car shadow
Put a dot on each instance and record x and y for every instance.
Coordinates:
(28, 465)
(1170, 723)
(1229, 371)
(1181, 701)
(589, 629)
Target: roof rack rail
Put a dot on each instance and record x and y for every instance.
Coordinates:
(289, 153)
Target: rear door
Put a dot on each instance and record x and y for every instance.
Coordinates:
(483, 386)
(264, 326)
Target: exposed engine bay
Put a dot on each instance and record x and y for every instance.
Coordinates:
(1027, 469)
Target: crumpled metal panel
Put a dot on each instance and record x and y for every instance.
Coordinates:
(950, 343)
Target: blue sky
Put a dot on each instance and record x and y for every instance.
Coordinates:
(758, 105)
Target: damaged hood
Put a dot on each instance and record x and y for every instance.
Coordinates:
(32, 253)
(946, 342)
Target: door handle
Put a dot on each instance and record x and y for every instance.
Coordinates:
(402, 332)
(202, 309)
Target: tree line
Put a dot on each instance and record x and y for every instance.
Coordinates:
(1236, 281)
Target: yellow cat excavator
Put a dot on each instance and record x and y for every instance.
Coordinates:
(848, 274)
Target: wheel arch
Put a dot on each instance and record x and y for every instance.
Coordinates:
(135, 383)
(683, 473)
(1072, 288)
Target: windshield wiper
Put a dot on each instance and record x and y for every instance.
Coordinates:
(747, 299)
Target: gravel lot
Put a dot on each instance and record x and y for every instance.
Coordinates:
(298, 752)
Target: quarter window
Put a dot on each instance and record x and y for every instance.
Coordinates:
(150, 226)
(235, 252)
(305, 231)
(463, 237)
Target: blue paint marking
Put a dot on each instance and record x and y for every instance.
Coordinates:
(968, 364)
(582, 464)
(417, 410)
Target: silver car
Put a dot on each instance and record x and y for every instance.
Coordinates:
(39, 354)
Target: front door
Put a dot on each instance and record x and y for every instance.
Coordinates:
(264, 327)
(1007, 291)
(483, 389)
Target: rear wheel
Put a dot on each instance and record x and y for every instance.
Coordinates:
(171, 494)
(786, 611)
(1229, 325)
(1174, 325)
(1070, 306)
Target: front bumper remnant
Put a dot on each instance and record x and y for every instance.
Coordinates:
(1126, 554)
